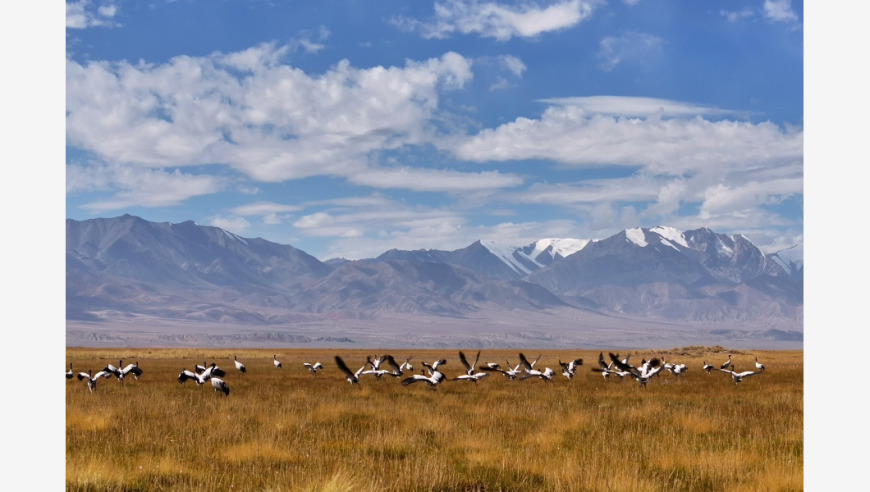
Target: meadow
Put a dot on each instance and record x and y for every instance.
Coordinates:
(286, 429)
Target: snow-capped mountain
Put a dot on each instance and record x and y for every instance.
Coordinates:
(670, 274)
(128, 267)
(494, 259)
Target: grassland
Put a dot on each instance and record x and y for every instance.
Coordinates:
(285, 429)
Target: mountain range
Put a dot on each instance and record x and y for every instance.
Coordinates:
(127, 271)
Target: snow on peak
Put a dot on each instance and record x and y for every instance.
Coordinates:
(560, 246)
(672, 235)
(506, 255)
(636, 236)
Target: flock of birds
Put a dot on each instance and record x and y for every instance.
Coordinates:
(432, 373)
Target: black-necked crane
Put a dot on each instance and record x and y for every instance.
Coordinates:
(406, 366)
(708, 367)
(375, 363)
(525, 362)
(568, 368)
(508, 373)
(477, 376)
(241, 367)
(603, 367)
(433, 367)
(726, 363)
(547, 374)
(512, 372)
(433, 381)
(220, 386)
(93, 378)
(352, 377)
(758, 365)
(470, 373)
(738, 376)
(676, 369)
(213, 371)
(199, 379)
(397, 368)
(121, 372)
(276, 362)
(70, 374)
(469, 368)
(644, 373)
(313, 368)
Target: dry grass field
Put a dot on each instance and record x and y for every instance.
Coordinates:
(286, 429)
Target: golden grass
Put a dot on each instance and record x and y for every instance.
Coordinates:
(284, 429)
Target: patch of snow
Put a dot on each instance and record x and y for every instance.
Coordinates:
(668, 243)
(636, 236)
(723, 250)
(506, 255)
(671, 234)
(561, 246)
(233, 236)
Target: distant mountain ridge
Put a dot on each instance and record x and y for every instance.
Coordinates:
(126, 266)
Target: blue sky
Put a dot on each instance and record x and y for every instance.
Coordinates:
(346, 128)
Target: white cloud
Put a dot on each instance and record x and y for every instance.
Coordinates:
(636, 106)
(266, 120)
(85, 13)
(575, 137)
(734, 16)
(264, 208)
(632, 47)
(500, 21)
(779, 11)
(135, 186)
(236, 225)
(513, 64)
(434, 179)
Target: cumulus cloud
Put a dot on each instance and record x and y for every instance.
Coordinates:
(630, 47)
(247, 110)
(500, 21)
(660, 162)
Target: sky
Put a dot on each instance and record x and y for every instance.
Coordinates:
(348, 128)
